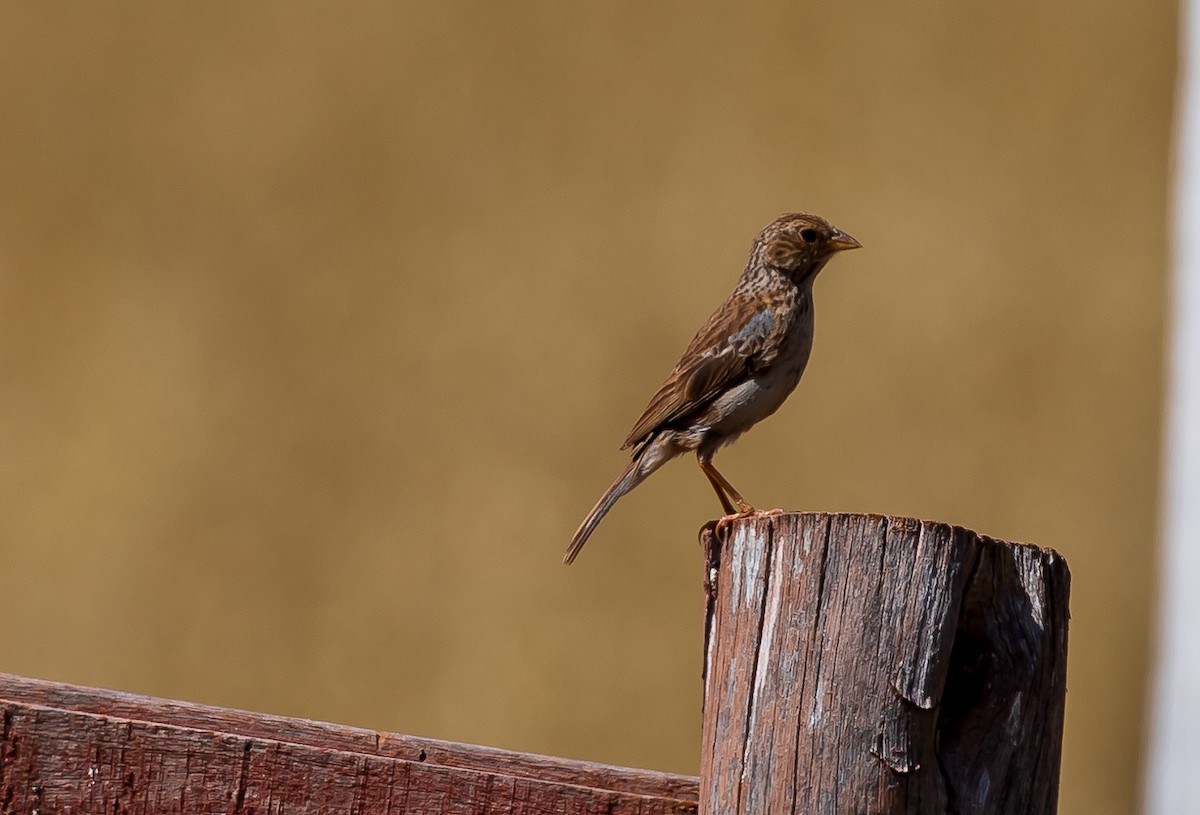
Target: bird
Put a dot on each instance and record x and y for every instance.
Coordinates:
(739, 368)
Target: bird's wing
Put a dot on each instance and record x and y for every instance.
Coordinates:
(740, 337)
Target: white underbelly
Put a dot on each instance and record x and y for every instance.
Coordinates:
(752, 401)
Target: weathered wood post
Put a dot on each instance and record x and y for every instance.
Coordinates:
(865, 664)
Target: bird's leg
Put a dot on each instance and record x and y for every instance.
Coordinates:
(724, 489)
(721, 496)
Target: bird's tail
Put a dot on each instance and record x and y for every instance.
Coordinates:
(645, 460)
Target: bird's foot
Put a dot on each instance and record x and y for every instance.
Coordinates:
(724, 523)
(747, 511)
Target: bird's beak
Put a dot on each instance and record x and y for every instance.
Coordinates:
(840, 241)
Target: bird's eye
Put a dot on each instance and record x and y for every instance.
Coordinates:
(809, 235)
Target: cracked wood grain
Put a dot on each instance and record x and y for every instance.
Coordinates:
(867, 664)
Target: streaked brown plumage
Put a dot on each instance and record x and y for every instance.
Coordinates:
(740, 366)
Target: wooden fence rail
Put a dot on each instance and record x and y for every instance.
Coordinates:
(79, 750)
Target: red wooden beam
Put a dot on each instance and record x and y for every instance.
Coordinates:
(70, 749)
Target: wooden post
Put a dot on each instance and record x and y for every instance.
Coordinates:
(864, 664)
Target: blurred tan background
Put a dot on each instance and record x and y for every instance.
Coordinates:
(321, 328)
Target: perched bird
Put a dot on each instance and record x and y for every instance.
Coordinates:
(740, 366)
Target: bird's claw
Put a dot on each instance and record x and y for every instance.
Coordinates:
(719, 527)
(726, 520)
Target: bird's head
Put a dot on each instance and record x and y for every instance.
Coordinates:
(798, 244)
